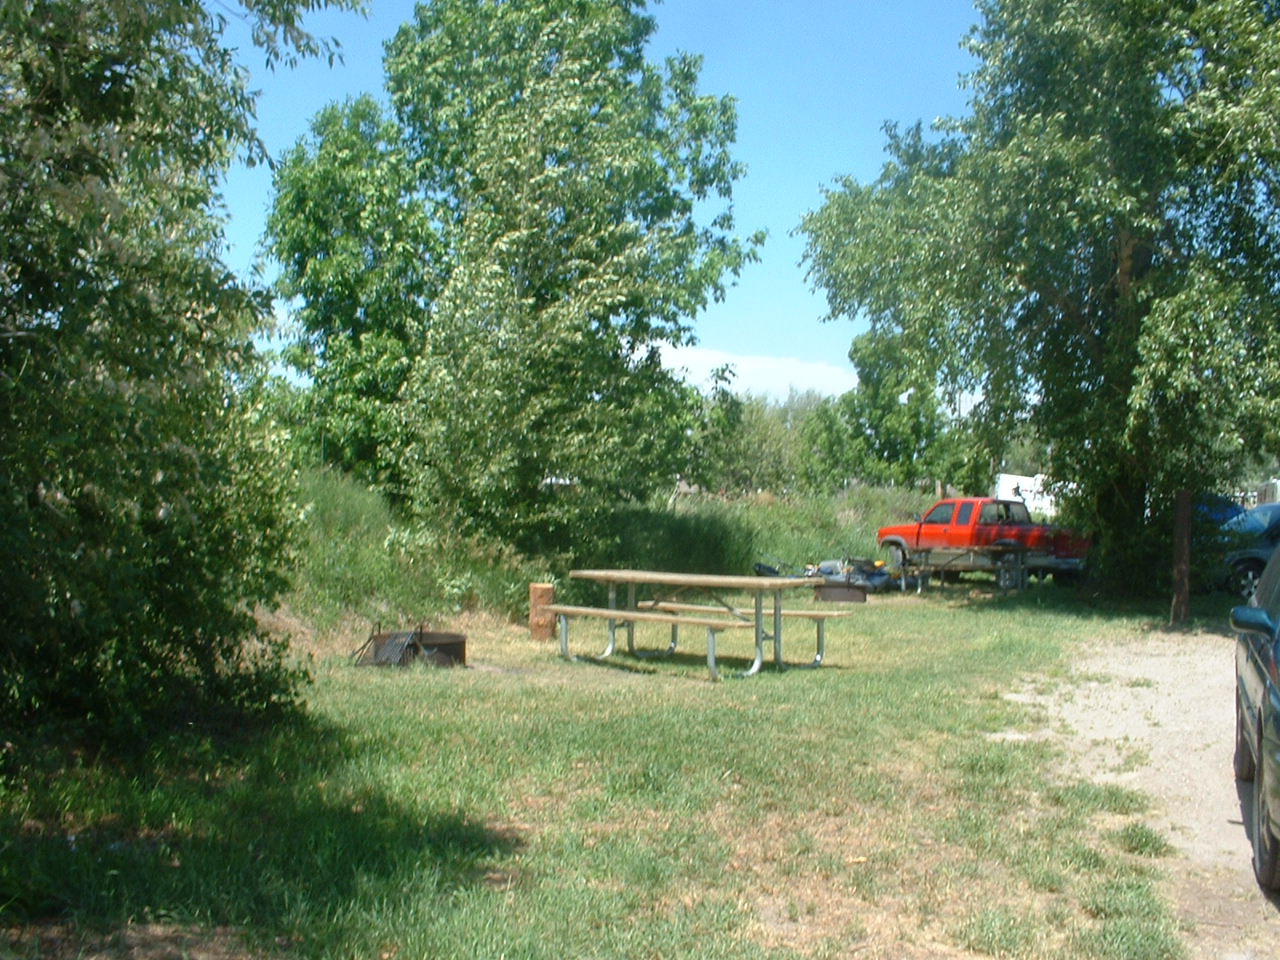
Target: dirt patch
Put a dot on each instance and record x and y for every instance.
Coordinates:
(1156, 714)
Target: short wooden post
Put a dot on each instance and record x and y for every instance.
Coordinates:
(542, 624)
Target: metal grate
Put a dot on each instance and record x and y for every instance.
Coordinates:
(401, 648)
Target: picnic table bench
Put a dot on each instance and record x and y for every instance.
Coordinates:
(818, 617)
(713, 626)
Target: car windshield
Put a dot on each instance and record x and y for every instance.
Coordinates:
(1254, 522)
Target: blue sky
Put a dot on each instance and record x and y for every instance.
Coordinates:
(815, 81)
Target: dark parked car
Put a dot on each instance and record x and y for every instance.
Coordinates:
(1251, 537)
(1217, 509)
(1257, 750)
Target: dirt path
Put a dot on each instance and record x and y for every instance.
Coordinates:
(1156, 715)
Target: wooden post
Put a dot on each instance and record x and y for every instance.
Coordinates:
(542, 625)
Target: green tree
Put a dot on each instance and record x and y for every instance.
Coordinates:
(718, 444)
(143, 513)
(558, 180)
(891, 429)
(761, 445)
(1092, 252)
(361, 260)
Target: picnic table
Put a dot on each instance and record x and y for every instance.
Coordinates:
(668, 602)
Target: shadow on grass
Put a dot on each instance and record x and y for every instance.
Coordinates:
(1209, 609)
(276, 834)
(731, 666)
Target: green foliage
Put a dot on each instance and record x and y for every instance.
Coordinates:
(1092, 253)
(790, 532)
(486, 278)
(890, 429)
(360, 259)
(752, 443)
(359, 555)
(144, 508)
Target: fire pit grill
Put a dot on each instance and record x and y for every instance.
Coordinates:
(400, 648)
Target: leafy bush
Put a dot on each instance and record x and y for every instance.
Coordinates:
(143, 511)
(131, 562)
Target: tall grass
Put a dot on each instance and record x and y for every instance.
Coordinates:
(791, 532)
(361, 559)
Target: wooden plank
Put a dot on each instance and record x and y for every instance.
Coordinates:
(738, 611)
(697, 581)
(647, 616)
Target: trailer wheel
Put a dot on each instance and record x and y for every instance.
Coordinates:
(1007, 574)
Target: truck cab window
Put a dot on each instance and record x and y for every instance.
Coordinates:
(940, 514)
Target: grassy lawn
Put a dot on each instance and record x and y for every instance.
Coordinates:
(893, 803)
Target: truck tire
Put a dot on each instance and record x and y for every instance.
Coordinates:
(897, 555)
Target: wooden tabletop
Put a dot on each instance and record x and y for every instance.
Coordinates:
(705, 581)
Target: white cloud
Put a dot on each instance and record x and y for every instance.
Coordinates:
(772, 377)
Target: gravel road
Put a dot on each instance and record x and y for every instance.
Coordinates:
(1156, 715)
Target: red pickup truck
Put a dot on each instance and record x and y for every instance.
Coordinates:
(984, 533)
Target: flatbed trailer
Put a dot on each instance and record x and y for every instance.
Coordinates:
(1013, 565)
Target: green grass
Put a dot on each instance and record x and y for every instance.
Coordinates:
(531, 807)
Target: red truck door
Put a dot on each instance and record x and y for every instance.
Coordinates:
(935, 526)
(946, 526)
(938, 527)
(988, 530)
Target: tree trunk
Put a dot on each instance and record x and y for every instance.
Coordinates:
(1181, 608)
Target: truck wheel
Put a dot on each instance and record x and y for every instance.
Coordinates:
(897, 556)
(1242, 760)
